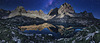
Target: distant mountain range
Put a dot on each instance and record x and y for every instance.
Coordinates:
(64, 14)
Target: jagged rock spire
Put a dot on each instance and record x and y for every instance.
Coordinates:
(20, 9)
(65, 5)
(41, 12)
(66, 8)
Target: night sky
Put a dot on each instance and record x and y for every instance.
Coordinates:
(45, 5)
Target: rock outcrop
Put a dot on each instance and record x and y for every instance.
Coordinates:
(18, 11)
(67, 9)
(4, 13)
(84, 15)
(39, 14)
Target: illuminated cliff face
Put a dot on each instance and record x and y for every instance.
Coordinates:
(37, 27)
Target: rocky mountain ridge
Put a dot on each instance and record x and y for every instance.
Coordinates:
(4, 13)
(20, 11)
(64, 14)
(65, 9)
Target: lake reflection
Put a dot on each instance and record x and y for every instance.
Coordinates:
(56, 30)
(44, 31)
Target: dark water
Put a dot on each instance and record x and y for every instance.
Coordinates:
(55, 32)
(44, 31)
(56, 35)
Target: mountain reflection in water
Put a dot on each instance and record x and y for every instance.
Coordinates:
(46, 28)
(44, 31)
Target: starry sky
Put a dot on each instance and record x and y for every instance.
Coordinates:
(45, 5)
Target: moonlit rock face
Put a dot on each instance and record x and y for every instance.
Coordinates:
(20, 9)
(61, 12)
(66, 8)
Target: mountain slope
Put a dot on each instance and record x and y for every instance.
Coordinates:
(89, 34)
(23, 20)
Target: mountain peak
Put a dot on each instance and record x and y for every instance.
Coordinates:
(65, 5)
(40, 11)
(20, 9)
